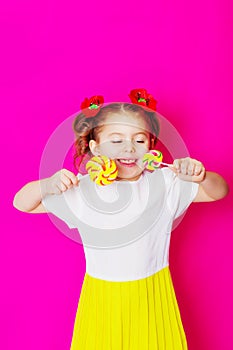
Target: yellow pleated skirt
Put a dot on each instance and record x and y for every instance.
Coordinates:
(133, 315)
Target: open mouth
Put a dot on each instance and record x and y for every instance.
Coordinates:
(127, 162)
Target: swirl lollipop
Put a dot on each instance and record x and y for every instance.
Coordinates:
(102, 170)
(153, 159)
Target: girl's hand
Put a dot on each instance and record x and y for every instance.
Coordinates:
(189, 169)
(60, 182)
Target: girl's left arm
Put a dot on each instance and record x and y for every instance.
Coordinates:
(212, 186)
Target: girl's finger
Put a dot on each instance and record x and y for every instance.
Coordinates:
(65, 180)
(176, 164)
(184, 166)
(191, 167)
(71, 176)
(63, 187)
(197, 169)
(199, 174)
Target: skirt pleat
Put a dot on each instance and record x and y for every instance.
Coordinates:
(133, 315)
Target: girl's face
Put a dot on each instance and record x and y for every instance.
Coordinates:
(124, 138)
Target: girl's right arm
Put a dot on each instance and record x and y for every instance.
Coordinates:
(28, 198)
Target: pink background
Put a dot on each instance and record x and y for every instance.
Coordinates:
(53, 54)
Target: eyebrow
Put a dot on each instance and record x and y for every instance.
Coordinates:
(118, 133)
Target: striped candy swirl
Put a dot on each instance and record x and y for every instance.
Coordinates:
(152, 160)
(102, 170)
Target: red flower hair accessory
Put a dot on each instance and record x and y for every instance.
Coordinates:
(141, 97)
(91, 106)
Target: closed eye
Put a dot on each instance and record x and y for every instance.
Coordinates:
(119, 141)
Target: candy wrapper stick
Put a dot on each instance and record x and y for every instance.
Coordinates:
(166, 164)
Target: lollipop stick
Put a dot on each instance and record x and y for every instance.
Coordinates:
(166, 164)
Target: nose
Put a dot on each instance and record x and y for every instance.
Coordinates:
(129, 146)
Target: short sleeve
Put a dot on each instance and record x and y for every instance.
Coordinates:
(58, 206)
(180, 193)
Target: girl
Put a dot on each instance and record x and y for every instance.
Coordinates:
(127, 300)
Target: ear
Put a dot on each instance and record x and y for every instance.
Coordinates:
(152, 143)
(94, 147)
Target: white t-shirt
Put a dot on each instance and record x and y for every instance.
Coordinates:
(125, 226)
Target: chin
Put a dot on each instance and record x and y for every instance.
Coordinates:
(128, 176)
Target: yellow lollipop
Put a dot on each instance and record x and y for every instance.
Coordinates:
(102, 170)
(152, 160)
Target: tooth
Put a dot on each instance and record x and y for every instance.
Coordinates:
(128, 161)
